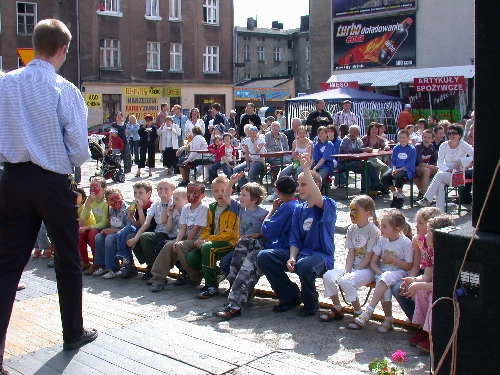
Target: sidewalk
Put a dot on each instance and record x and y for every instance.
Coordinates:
(172, 332)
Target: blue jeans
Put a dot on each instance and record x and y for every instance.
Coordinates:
(225, 263)
(272, 262)
(123, 250)
(212, 171)
(105, 251)
(42, 238)
(134, 149)
(407, 304)
(255, 167)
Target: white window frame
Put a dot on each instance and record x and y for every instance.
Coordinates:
(211, 60)
(25, 15)
(246, 52)
(211, 12)
(153, 57)
(175, 57)
(153, 10)
(175, 12)
(277, 54)
(111, 8)
(108, 52)
(260, 53)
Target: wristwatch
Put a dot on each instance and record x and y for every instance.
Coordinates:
(164, 204)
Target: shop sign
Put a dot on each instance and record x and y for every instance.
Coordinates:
(349, 9)
(447, 83)
(140, 101)
(142, 91)
(255, 93)
(93, 100)
(375, 43)
(337, 85)
(172, 92)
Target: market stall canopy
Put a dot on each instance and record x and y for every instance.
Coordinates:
(345, 93)
(367, 106)
(386, 77)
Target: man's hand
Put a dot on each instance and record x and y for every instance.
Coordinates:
(199, 242)
(290, 264)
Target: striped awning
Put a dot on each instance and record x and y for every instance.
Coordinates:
(390, 77)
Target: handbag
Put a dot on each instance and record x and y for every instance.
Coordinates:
(457, 178)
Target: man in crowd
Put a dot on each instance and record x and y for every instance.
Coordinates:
(250, 117)
(160, 117)
(233, 121)
(318, 118)
(345, 116)
(432, 121)
(405, 117)
(439, 137)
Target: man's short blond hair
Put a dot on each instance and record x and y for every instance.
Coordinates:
(49, 36)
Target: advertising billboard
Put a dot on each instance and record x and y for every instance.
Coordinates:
(351, 9)
(375, 43)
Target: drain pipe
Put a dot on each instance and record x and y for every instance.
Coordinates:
(78, 62)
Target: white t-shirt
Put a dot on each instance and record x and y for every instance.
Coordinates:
(155, 211)
(198, 216)
(248, 142)
(401, 248)
(362, 241)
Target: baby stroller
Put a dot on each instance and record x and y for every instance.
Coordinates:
(107, 166)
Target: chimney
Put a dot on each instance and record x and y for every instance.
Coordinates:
(275, 25)
(251, 23)
(304, 23)
(280, 26)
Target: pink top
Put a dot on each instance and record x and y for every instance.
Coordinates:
(426, 254)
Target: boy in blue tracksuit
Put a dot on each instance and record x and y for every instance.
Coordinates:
(403, 160)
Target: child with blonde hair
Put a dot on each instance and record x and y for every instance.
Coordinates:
(392, 258)
(360, 239)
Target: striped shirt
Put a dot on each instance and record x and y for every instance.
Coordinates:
(44, 117)
(342, 117)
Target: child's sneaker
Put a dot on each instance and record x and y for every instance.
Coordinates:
(128, 270)
(111, 274)
(423, 202)
(419, 336)
(207, 291)
(99, 272)
(425, 345)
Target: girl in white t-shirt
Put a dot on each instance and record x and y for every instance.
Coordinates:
(392, 258)
(360, 239)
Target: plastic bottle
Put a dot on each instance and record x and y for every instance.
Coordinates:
(391, 45)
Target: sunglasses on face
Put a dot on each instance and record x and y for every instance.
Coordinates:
(452, 133)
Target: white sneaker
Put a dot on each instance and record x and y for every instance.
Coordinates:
(423, 202)
(101, 271)
(111, 275)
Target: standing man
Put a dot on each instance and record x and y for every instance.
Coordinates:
(345, 116)
(35, 184)
(160, 117)
(291, 134)
(433, 121)
(219, 118)
(405, 118)
(180, 120)
(250, 117)
(318, 118)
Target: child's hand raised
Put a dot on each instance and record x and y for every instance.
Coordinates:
(236, 177)
(305, 161)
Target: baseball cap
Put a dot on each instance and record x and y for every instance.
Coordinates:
(286, 185)
(346, 102)
(407, 105)
(220, 128)
(232, 111)
(113, 131)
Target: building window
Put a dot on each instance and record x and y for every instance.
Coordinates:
(26, 17)
(109, 6)
(153, 9)
(247, 53)
(175, 57)
(289, 44)
(261, 76)
(110, 54)
(153, 52)
(277, 54)
(261, 39)
(175, 10)
(211, 11)
(210, 59)
(308, 51)
(260, 53)
(248, 76)
(290, 68)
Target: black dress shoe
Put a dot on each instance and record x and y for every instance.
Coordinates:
(88, 335)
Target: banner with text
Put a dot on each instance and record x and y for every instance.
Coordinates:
(140, 101)
(325, 86)
(349, 9)
(448, 83)
(375, 43)
(93, 100)
(255, 93)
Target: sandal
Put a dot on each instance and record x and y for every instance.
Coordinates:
(386, 326)
(360, 321)
(333, 314)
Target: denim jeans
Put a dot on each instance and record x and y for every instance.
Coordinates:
(255, 167)
(105, 251)
(225, 263)
(272, 262)
(123, 250)
(134, 149)
(406, 304)
(42, 238)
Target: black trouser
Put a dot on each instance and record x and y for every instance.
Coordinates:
(169, 158)
(149, 149)
(398, 181)
(28, 195)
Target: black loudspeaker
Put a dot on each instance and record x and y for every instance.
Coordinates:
(487, 108)
(479, 324)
